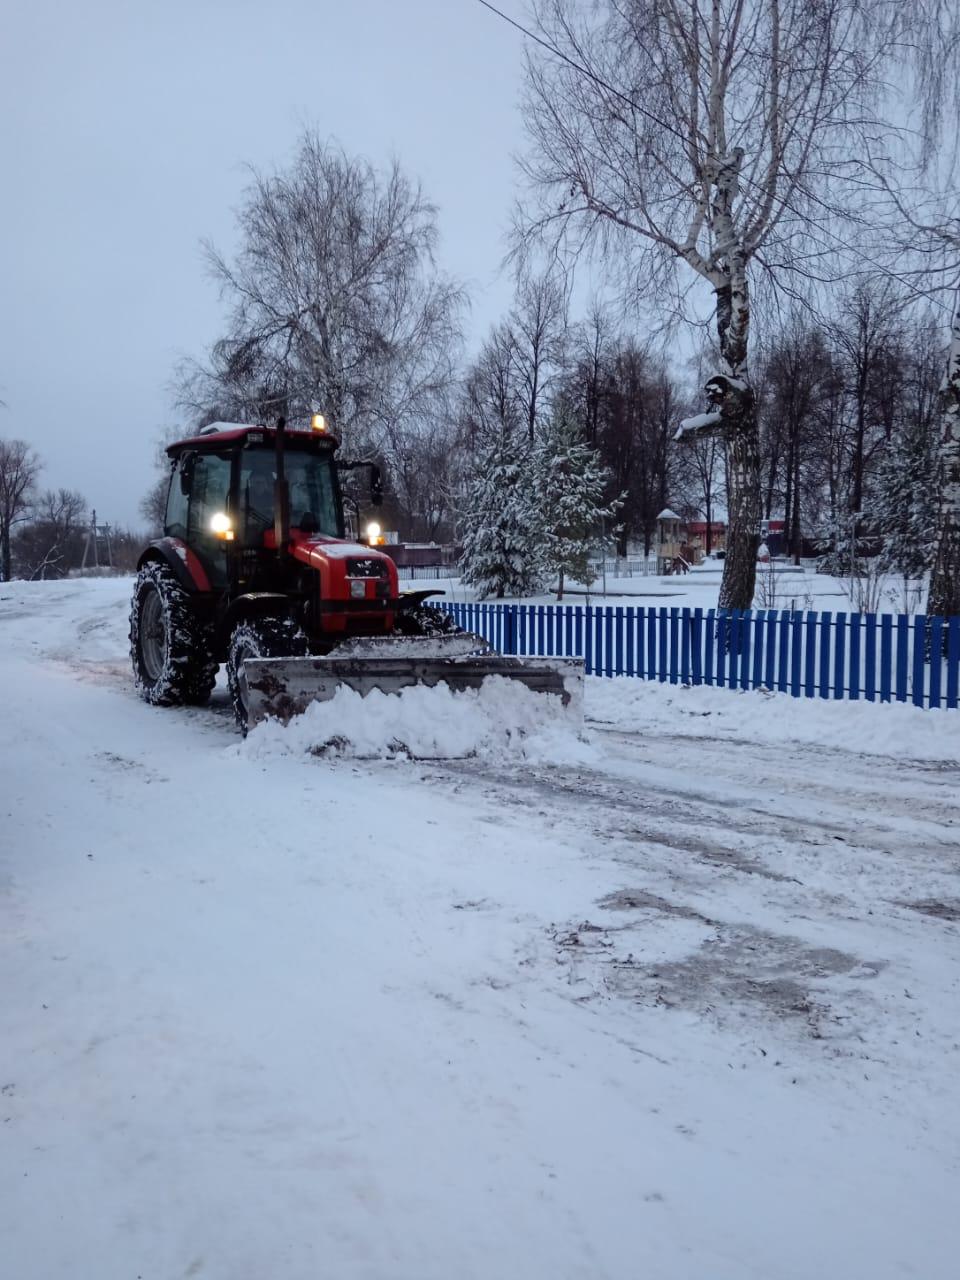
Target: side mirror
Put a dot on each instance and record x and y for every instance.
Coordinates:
(187, 463)
(376, 485)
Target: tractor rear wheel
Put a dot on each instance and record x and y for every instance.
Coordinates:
(260, 638)
(170, 647)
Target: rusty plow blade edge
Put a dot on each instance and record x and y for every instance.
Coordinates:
(284, 687)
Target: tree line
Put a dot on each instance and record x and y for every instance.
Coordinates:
(745, 160)
(46, 533)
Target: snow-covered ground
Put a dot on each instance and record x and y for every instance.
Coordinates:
(679, 1001)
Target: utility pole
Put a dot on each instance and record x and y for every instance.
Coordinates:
(91, 543)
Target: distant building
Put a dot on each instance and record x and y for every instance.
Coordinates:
(774, 534)
(697, 535)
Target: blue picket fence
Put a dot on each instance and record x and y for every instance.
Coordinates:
(874, 657)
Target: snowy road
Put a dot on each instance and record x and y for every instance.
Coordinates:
(692, 1011)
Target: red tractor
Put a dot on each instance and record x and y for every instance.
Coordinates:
(254, 567)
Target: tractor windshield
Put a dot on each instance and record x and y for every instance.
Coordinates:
(313, 506)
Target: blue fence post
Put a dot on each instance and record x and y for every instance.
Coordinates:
(856, 624)
(722, 645)
(631, 625)
(870, 687)
(935, 656)
(786, 624)
(953, 662)
(733, 647)
(685, 621)
(674, 645)
(809, 654)
(839, 654)
(651, 643)
(697, 644)
(886, 657)
(618, 637)
(919, 662)
(588, 640)
(710, 639)
(759, 622)
(824, 655)
(662, 643)
(903, 641)
(509, 641)
(746, 619)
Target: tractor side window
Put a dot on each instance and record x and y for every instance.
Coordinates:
(175, 524)
(209, 490)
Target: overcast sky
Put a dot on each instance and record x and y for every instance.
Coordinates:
(125, 129)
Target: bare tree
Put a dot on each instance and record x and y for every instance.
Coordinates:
(708, 134)
(336, 306)
(866, 336)
(19, 468)
(538, 330)
(153, 505)
(51, 542)
(700, 482)
(491, 405)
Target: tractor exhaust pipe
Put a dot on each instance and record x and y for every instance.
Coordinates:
(281, 497)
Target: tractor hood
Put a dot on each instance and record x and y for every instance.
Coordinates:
(318, 551)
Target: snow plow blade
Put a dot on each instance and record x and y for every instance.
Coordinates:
(284, 687)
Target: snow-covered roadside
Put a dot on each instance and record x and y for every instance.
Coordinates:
(896, 730)
(689, 1010)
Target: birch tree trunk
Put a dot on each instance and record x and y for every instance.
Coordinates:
(945, 581)
(731, 393)
(733, 396)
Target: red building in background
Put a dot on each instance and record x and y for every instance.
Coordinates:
(697, 535)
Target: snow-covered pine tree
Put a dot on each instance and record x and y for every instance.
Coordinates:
(904, 509)
(572, 483)
(500, 523)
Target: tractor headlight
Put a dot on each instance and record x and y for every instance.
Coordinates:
(358, 590)
(222, 526)
(373, 534)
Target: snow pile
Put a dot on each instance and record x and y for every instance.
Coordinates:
(501, 719)
(882, 729)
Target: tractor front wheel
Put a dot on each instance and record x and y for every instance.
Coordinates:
(259, 638)
(171, 648)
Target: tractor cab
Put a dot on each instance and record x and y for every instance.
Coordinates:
(223, 496)
(255, 516)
